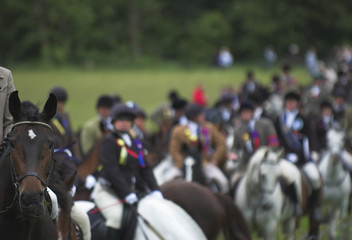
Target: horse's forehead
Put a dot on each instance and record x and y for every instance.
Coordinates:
(335, 133)
(271, 157)
(334, 137)
(30, 134)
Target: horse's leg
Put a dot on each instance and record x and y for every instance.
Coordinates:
(313, 228)
(289, 228)
(333, 223)
(270, 232)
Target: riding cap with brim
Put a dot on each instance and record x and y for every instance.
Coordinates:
(246, 105)
(292, 95)
(192, 110)
(60, 93)
(179, 104)
(325, 104)
(227, 98)
(140, 113)
(121, 110)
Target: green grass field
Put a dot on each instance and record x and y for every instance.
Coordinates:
(147, 87)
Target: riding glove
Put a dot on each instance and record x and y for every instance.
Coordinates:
(131, 198)
(157, 194)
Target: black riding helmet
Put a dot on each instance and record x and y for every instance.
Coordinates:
(60, 93)
(121, 111)
(193, 110)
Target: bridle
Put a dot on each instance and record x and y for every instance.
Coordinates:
(16, 179)
(264, 190)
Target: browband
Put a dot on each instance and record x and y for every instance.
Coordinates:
(31, 122)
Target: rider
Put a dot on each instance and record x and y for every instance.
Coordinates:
(125, 173)
(253, 133)
(249, 136)
(294, 132)
(97, 126)
(201, 141)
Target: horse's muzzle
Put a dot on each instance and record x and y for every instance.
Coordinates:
(32, 205)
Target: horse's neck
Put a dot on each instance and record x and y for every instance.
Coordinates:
(334, 170)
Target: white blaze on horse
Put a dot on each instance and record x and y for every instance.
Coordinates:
(336, 178)
(261, 199)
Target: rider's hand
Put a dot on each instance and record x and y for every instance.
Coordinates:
(131, 198)
(90, 182)
(157, 194)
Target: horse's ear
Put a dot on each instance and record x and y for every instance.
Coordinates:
(15, 106)
(50, 106)
(280, 153)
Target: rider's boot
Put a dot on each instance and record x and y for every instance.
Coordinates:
(112, 233)
(315, 204)
(292, 192)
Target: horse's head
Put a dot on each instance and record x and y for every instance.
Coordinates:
(32, 145)
(269, 172)
(264, 169)
(335, 139)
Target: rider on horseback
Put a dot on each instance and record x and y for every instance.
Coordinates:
(200, 144)
(124, 174)
(251, 134)
(294, 132)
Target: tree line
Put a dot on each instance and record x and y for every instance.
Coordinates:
(122, 31)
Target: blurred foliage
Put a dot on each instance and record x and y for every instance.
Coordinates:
(190, 32)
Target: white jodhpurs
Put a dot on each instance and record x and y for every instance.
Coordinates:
(291, 174)
(166, 171)
(212, 172)
(110, 205)
(82, 219)
(312, 172)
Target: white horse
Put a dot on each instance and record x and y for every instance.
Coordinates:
(160, 219)
(336, 178)
(261, 199)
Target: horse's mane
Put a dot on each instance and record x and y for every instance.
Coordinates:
(256, 159)
(30, 111)
(254, 163)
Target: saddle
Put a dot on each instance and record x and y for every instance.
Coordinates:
(99, 229)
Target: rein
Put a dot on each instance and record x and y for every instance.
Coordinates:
(15, 179)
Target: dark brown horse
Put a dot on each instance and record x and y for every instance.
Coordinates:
(26, 171)
(214, 213)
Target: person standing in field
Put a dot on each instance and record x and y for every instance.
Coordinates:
(6, 88)
(198, 95)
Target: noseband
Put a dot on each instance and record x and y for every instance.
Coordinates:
(16, 180)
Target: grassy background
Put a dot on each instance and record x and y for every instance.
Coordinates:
(147, 87)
